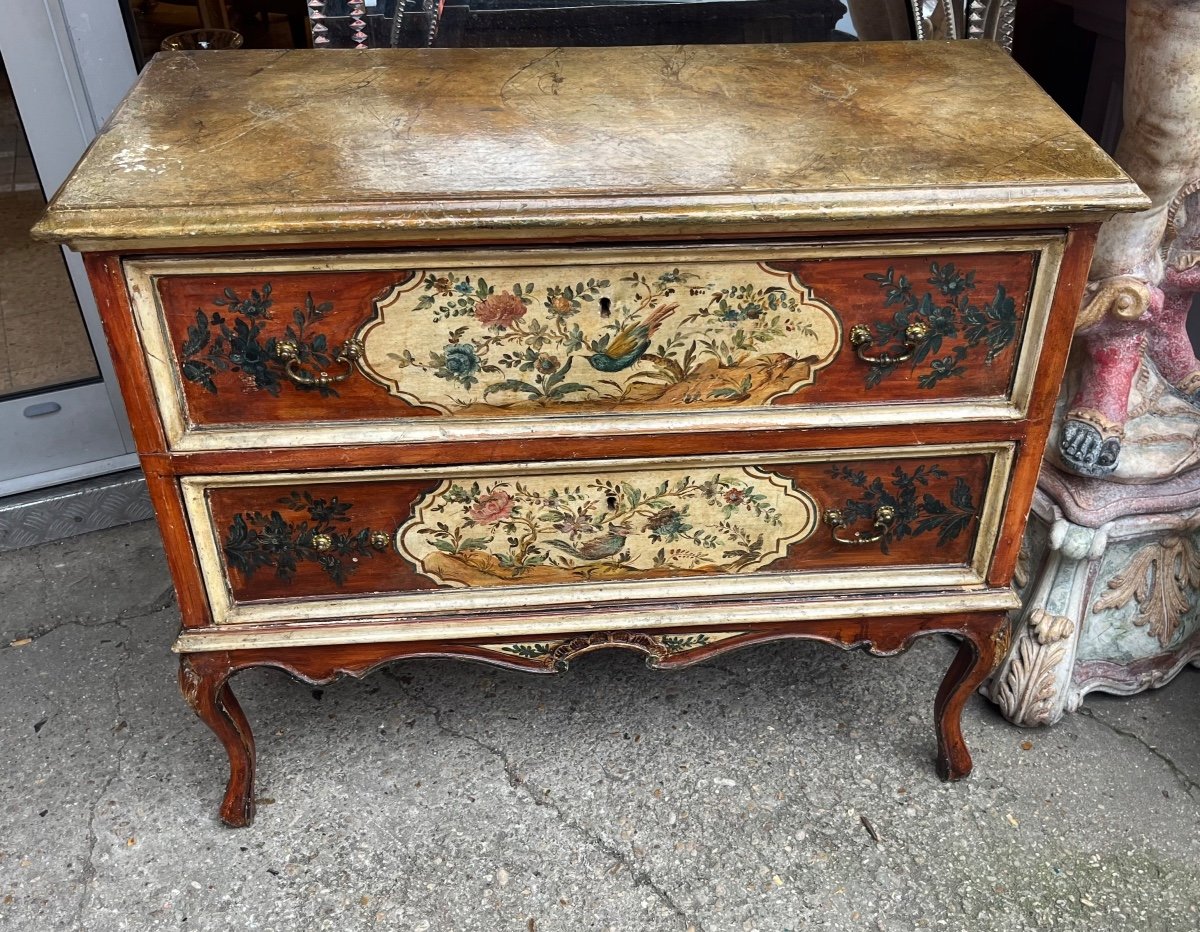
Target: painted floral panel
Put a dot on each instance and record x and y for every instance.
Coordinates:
(572, 527)
(504, 340)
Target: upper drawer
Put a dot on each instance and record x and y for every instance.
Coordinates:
(292, 351)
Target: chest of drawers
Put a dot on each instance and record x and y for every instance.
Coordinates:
(512, 355)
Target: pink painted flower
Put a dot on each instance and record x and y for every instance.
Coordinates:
(561, 306)
(500, 310)
(492, 507)
(735, 496)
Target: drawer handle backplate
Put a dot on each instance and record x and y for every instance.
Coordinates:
(885, 515)
(860, 339)
(324, 543)
(346, 354)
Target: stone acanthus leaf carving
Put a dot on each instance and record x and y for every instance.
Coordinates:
(1026, 695)
(1159, 577)
(1048, 627)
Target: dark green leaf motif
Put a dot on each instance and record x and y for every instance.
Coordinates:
(956, 326)
(528, 651)
(234, 341)
(677, 644)
(918, 511)
(256, 540)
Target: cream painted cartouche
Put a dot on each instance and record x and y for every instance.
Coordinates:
(485, 341)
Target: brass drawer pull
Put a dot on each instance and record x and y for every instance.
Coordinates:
(349, 351)
(323, 543)
(884, 516)
(860, 339)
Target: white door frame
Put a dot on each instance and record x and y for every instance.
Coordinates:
(69, 63)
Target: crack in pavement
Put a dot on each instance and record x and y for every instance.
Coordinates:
(164, 601)
(1180, 774)
(640, 877)
(87, 885)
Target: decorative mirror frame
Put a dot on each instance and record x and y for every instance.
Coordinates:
(945, 19)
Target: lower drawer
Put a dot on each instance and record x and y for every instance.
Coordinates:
(330, 546)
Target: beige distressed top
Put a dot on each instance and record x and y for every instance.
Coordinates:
(435, 144)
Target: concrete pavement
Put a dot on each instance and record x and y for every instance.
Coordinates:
(439, 795)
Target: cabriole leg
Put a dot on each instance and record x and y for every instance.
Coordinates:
(975, 660)
(204, 682)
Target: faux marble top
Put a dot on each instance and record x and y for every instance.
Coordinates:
(250, 146)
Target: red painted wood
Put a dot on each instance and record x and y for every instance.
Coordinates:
(385, 505)
(605, 446)
(841, 282)
(205, 675)
(1067, 297)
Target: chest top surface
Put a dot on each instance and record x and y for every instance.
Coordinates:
(251, 146)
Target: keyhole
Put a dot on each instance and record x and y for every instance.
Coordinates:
(611, 501)
(605, 307)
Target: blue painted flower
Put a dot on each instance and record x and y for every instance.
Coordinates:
(667, 524)
(461, 360)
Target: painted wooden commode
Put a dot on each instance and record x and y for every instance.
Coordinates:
(511, 355)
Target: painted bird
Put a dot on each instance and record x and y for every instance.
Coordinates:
(630, 343)
(598, 548)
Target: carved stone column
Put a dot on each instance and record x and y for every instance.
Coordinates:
(1110, 598)
(1112, 559)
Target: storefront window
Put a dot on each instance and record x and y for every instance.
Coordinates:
(43, 341)
(486, 23)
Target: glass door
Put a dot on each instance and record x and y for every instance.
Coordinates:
(64, 65)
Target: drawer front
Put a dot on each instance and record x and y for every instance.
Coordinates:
(412, 542)
(278, 351)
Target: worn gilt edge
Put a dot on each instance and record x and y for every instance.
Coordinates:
(412, 431)
(530, 217)
(529, 627)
